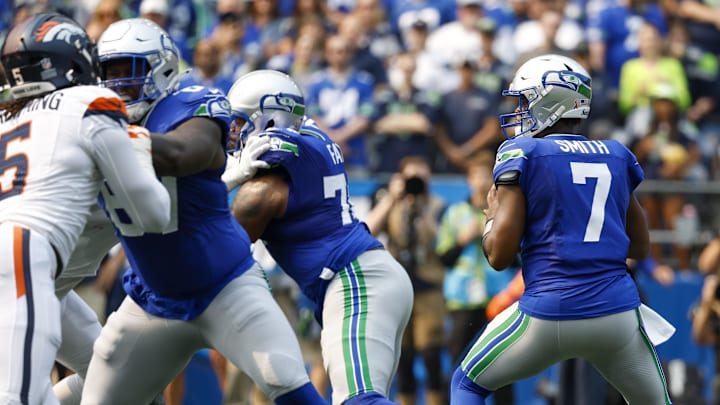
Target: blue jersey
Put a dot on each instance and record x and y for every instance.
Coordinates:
(319, 233)
(176, 274)
(574, 245)
(337, 102)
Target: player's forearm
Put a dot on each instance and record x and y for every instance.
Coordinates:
(146, 200)
(191, 148)
(172, 158)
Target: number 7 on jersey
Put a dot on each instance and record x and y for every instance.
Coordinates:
(600, 171)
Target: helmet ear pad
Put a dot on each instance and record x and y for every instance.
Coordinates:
(548, 88)
(48, 51)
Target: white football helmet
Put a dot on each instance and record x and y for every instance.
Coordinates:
(548, 87)
(154, 56)
(263, 99)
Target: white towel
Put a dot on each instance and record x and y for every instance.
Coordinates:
(659, 330)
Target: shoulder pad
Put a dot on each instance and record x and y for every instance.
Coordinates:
(204, 102)
(284, 145)
(101, 101)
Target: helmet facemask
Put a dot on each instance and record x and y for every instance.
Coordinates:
(521, 121)
(134, 79)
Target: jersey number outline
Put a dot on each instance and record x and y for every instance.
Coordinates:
(114, 205)
(600, 171)
(333, 184)
(18, 161)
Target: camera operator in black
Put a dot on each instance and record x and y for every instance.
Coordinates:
(408, 214)
(706, 317)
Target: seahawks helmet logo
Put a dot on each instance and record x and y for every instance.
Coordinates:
(568, 79)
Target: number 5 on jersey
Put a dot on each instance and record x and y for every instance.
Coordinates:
(14, 167)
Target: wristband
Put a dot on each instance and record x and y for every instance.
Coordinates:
(488, 226)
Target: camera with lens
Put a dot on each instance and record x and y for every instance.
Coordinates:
(415, 186)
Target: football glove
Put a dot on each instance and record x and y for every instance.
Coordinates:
(242, 166)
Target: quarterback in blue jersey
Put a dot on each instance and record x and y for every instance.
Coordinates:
(194, 285)
(363, 296)
(567, 204)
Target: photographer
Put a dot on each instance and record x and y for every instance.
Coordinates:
(409, 215)
(706, 317)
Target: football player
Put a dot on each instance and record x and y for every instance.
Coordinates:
(194, 285)
(298, 205)
(566, 203)
(61, 139)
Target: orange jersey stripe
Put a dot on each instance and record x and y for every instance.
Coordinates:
(108, 104)
(18, 249)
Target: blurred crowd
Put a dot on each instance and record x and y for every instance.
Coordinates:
(413, 88)
(395, 78)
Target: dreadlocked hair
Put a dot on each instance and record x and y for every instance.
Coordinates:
(11, 108)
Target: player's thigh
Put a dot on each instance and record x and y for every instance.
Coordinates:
(80, 328)
(29, 316)
(246, 325)
(514, 346)
(367, 306)
(628, 360)
(136, 356)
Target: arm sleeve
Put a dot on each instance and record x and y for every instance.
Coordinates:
(144, 198)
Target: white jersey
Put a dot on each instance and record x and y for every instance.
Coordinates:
(54, 155)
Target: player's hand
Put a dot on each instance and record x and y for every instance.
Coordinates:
(242, 168)
(142, 143)
(492, 202)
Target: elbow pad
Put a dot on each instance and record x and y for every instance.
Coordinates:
(511, 177)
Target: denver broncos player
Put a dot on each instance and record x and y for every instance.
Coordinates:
(567, 203)
(196, 284)
(61, 138)
(301, 210)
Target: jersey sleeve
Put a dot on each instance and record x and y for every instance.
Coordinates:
(284, 147)
(143, 199)
(512, 155)
(635, 171)
(207, 102)
(106, 103)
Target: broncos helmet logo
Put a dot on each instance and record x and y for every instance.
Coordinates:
(62, 31)
(57, 30)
